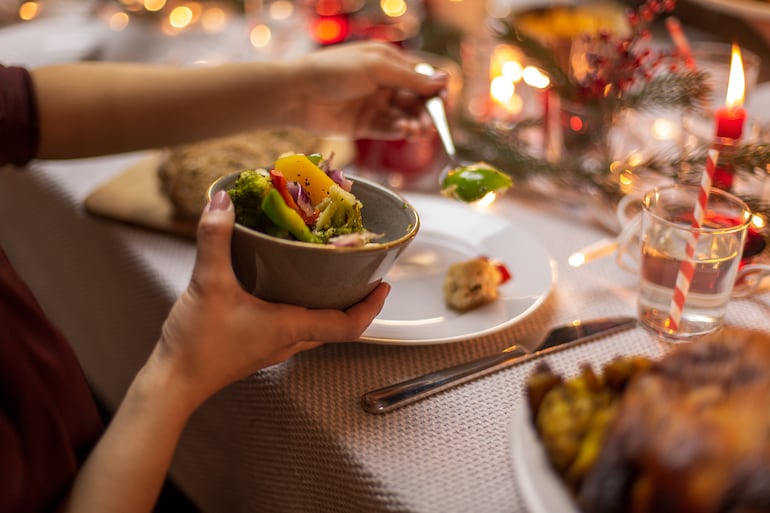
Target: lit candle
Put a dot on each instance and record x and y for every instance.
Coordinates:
(730, 118)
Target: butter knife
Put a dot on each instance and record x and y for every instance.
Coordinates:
(406, 392)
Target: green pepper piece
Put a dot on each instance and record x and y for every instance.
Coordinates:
(473, 182)
(276, 209)
(315, 158)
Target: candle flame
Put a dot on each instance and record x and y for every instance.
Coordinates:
(736, 83)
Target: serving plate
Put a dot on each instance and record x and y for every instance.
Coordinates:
(742, 8)
(451, 231)
(540, 487)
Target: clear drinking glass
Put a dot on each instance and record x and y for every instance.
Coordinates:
(666, 229)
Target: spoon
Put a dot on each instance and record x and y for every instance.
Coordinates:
(435, 108)
(466, 181)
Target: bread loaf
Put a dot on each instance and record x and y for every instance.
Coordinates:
(187, 171)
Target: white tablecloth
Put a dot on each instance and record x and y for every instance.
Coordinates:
(294, 437)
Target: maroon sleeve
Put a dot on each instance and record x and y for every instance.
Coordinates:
(48, 418)
(19, 131)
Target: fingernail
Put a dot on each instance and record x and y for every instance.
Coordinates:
(440, 76)
(220, 201)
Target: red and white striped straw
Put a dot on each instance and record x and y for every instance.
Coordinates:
(687, 267)
(680, 40)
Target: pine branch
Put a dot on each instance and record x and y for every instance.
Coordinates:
(503, 147)
(753, 157)
(746, 159)
(688, 89)
(507, 148)
(627, 78)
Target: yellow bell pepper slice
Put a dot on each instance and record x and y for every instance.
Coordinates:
(300, 169)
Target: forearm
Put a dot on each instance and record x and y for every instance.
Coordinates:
(367, 89)
(127, 468)
(97, 108)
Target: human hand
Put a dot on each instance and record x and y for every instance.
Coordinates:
(366, 89)
(217, 333)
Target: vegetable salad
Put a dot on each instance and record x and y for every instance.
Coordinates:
(300, 198)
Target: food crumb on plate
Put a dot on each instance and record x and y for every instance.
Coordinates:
(472, 283)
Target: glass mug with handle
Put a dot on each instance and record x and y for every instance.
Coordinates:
(658, 225)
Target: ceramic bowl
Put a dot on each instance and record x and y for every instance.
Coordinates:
(321, 275)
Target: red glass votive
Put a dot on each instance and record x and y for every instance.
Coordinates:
(400, 163)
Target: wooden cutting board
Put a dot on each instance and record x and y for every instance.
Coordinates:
(135, 195)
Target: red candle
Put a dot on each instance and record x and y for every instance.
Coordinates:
(730, 118)
(730, 122)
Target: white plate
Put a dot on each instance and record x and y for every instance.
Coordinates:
(451, 231)
(540, 487)
(742, 8)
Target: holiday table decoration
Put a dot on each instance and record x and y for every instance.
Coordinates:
(611, 75)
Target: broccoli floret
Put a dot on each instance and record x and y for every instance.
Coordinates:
(340, 214)
(247, 193)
